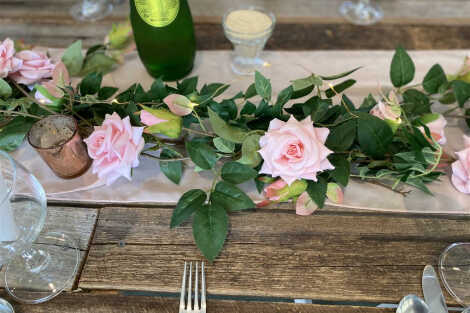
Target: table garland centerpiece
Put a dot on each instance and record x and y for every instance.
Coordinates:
(303, 145)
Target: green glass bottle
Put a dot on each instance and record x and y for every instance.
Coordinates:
(164, 35)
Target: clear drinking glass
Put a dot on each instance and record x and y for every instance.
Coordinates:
(454, 267)
(248, 37)
(39, 272)
(91, 10)
(361, 12)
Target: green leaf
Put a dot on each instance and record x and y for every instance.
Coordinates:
(188, 85)
(231, 197)
(214, 89)
(434, 79)
(237, 173)
(91, 84)
(418, 183)
(317, 191)
(158, 89)
(224, 130)
(210, 229)
(173, 170)
(191, 201)
(250, 91)
(333, 77)
(461, 91)
(13, 134)
(339, 88)
(342, 169)
(342, 136)
(73, 58)
(250, 147)
(227, 109)
(316, 108)
(283, 97)
(448, 98)
(97, 62)
(223, 145)
(374, 135)
(201, 154)
(106, 92)
(263, 86)
(402, 70)
(248, 109)
(5, 89)
(415, 103)
(307, 83)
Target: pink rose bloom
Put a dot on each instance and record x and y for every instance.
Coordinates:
(436, 128)
(115, 147)
(60, 78)
(384, 111)
(8, 63)
(461, 168)
(149, 119)
(294, 150)
(36, 66)
(179, 105)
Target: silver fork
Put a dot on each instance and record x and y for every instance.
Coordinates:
(187, 306)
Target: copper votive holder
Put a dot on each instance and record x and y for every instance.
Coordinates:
(59, 144)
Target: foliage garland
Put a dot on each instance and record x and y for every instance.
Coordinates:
(388, 152)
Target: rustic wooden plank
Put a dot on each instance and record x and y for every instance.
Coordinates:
(78, 223)
(337, 255)
(291, 36)
(104, 303)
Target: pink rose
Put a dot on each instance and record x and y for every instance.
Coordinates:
(294, 150)
(179, 105)
(60, 78)
(461, 168)
(436, 127)
(149, 119)
(115, 147)
(384, 111)
(36, 66)
(8, 63)
(334, 193)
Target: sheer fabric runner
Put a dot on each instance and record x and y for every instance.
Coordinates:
(149, 185)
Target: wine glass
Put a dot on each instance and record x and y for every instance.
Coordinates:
(91, 10)
(361, 12)
(454, 268)
(39, 272)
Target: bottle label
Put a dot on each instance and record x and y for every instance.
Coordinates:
(158, 13)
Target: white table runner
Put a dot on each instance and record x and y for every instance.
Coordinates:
(149, 185)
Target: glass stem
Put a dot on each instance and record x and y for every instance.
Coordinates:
(35, 259)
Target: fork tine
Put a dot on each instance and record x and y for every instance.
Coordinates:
(183, 288)
(203, 289)
(189, 306)
(196, 301)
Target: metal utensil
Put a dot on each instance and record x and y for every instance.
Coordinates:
(193, 306)
(432, 291)
(412, 304)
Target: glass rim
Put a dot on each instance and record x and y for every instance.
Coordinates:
(13, 182)
(252, 8)
(444, 276)
(75, 131)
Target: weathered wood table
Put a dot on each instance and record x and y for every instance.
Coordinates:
(345, 260)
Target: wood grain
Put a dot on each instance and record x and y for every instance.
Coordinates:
(78, 223)
(105, 303)
(302, 24)
(336, 254)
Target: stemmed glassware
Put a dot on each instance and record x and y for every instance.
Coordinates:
(454, 268)
(361, 12)
(39, 272)
(91, 10)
